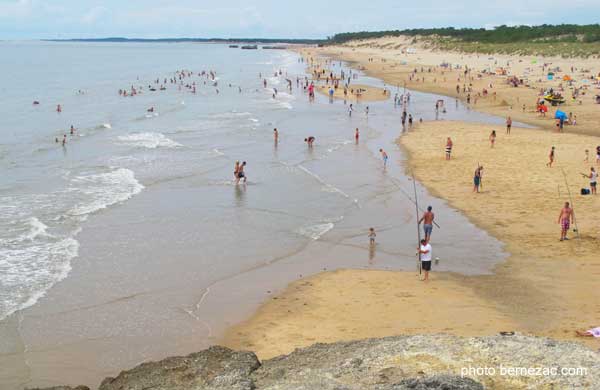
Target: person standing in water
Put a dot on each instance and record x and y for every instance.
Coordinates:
(372, 236)
(356, 135)
(310, 141)
(241, 174)
(350, 109)
(275, 136)
(236, 169)
(427, 220)
(565, 218)
(384, 157)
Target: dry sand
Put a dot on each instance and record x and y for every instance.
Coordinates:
(546, 287)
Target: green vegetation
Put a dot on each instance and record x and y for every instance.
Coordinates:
(567, 40)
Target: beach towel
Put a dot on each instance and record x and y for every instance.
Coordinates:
(594, 332)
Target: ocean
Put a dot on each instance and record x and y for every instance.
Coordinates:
(133, 242)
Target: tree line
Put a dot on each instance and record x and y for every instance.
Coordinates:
(500, 34)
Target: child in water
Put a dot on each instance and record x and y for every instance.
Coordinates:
(372, 236)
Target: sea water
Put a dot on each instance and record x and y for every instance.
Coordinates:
(135, 229)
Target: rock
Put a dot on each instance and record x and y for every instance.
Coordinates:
(213, 369)
(63, 388)
(421, 362)
(438, 382)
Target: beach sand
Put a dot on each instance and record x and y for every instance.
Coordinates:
(544, 288)
(351, 304)
(357, 93)
(392, 63)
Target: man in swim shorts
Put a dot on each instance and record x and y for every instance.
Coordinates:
(427, 220)
(565, 218)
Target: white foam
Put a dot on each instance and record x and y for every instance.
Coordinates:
(38, 229)
(28, 272)
(325, 186)
(107, 125)
(315, 232)
(149, 140)
(104, 190)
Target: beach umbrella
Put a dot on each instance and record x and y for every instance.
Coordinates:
(560, 115)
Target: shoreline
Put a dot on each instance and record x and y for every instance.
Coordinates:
(531, 301)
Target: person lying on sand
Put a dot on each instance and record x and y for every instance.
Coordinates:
(594, 332)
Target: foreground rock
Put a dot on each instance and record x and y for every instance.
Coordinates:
(393, 363)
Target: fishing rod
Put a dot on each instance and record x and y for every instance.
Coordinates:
(394, 181)
(418, 227)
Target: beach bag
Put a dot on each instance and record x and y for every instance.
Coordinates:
(585, 191)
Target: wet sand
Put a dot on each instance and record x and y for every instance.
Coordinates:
(543, 288)
(356, 93)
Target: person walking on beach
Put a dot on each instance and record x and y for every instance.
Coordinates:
(508, 125)
(593, 176)
(550, 158)
(425, 254)
(449, 145)
(427, 220)
(492, 138)
(477, 176)
(565, 218)
(384, 156)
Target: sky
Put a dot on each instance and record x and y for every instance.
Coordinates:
(49, 19)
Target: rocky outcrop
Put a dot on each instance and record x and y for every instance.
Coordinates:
(216, 368)
(393, 363)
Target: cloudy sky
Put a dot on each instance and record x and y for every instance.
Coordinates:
(27, 19)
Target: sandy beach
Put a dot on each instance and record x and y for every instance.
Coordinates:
(542, 289)
(358, 93)
(394, 59)
(544, 286)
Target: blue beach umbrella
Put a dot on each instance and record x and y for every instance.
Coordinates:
(560, 115)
